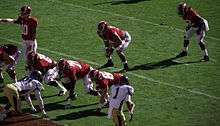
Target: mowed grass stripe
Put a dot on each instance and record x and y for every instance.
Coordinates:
(128, 17)
(131, 73)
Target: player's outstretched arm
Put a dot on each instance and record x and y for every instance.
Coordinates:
(40, 102)
(7, 20)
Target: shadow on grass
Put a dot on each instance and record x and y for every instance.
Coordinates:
(79, 114)
(160, 65)
(114, 2)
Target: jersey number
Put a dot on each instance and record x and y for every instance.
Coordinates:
(24, 29)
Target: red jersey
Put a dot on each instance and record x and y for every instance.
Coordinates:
(76, 70)
(108, 35)
(28, 26)
(192, 16)
(106, 79)
(42, 63)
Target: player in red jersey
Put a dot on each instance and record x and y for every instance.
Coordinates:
(29, 25)
(104, 81)
(196, 24)
(71, 71)
(8, 58)
(47, 67)
(113, 38)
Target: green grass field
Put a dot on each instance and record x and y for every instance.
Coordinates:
(183, 92)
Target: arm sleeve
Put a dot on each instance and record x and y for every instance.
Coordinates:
(28, 99)
(39, 99)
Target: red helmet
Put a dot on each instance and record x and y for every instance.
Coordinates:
(26, 10)
(180, 8)
(31, 56)
(10, 49)
(102, 25)
(62, 63)
(94, 74)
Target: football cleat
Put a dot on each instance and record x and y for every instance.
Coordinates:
(205, 58)
(125, 67)
(182, 54)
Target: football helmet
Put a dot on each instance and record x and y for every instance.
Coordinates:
(94, 74)
(31, 56)
(10, 49)
(62, 64)
(102, 25)
(180, 8)
(26, 10)
(37, 75)
(124, 80)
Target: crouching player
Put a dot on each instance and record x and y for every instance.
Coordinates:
(24, 87)
(104, 81)
(47, 66)
(120, 92)
(8, 58)
(71, 71)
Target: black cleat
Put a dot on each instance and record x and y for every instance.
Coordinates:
(182, 54)
(125, 67)
(205, 58)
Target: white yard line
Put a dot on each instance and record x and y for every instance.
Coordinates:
(128, 17)
(131, 73)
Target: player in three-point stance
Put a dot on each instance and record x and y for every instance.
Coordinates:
(113, 38)
(29, 26)
(48, 67)
(24, 87)
(196, 24)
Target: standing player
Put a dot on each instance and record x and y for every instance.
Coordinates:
(120, 93)
(24, 87)
(29, 25)
(47, 67)
(113, 38)
(104, 81)
(8, 58)
(196, 24)
(71, 71)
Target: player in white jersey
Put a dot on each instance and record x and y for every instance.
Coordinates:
(119, 94)
(24, 87)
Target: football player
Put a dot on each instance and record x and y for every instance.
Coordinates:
(71, 71)
(24, 87)
(113, 38)
(104, 81)
(29, 26)
(119, 94)
(9, 55)
(195, 24)
(47, 66)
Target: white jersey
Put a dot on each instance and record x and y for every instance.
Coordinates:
(28, 84)
(119, 94)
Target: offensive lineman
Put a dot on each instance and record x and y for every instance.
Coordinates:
(24, 87)
(113, 38)
(29, 26)
(9, 55)
(196, 24)
(104, 81)
(71, 71)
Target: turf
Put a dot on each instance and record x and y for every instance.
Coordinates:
(182, 92)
